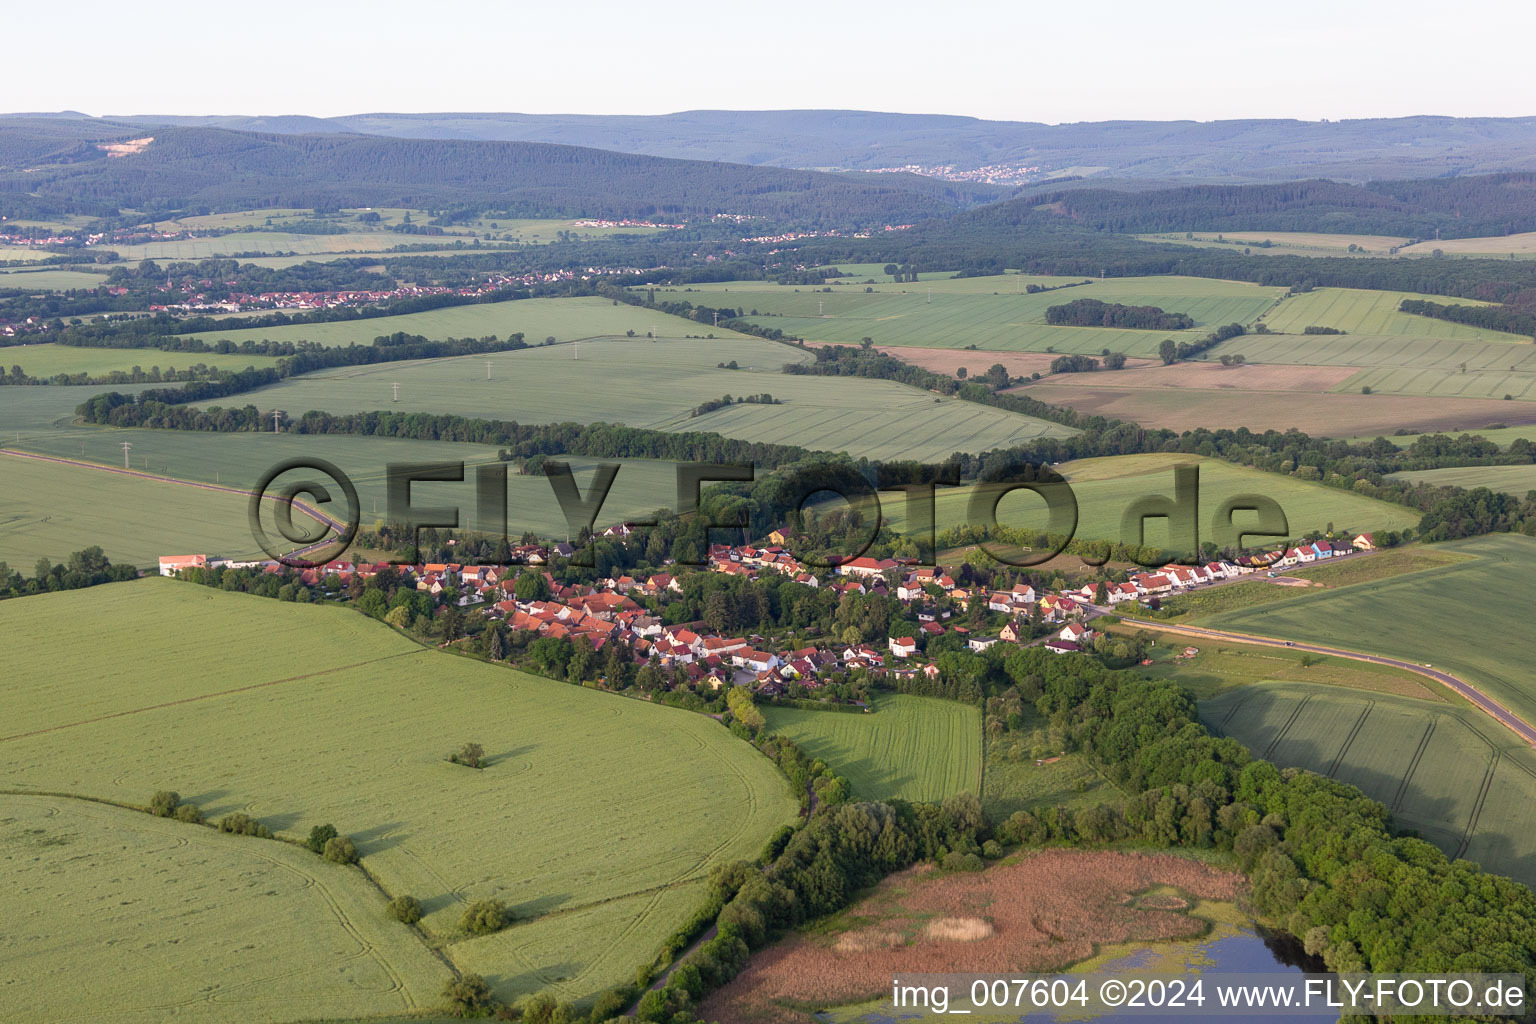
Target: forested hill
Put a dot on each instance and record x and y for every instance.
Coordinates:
(1241, 150)
(1466, 207)
(191, 167)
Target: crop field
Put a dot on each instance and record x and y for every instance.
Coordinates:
(910, 748)
(1321, 415)
(1209, 376)
(49, 510)
(47, 360)
(235, 927)
(1436, 768)
(1443, 616)
(988, 312)
(1513, 479)
(269, 242)
(657, 384)
(537, 319)
(1521, 244)
(49, 280)
(1359, 311)
(23, 252)
(595, 819)
(1105, 487)
(1287, 242)
(1501, 434)
(31, 412)
(239, 460)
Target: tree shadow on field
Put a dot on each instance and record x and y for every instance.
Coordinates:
(432, 904)
(491, 760)
(206, 800)
(380, 837)
(536, 908)
(282, 822)
(515, 986)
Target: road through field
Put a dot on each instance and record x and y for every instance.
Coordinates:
(1482, 701)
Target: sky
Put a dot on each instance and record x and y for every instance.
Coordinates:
(1007, 60)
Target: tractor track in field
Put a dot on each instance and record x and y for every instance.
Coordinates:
(204, 696)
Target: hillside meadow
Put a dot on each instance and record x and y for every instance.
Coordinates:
(987, 312)
(537, 319)
(47, 359)
(1106, 487)
(1362, 311)
(908, 748)
(595, 819)
(1513, 479)
(642, 382)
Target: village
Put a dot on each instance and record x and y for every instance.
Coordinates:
(623, 609)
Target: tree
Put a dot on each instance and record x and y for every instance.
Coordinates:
(399, 617)
(405, 909)
(453, 624)
(531, 585)
(319, 836)
(484, 917)
(718, 612)
(341, 850)
(163, 803)
(961, 372)
(470, 755)
(467, 996)
(1101, 593)
(1168, 351)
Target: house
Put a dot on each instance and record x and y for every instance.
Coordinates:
(903, 646)
(981, 643)
(1063, 647)
(1077, 632)
(1011, 633)
(1364, 542)
(866, 566)
(757, 661)
(783, 536)
(1122, 592)
(1321, 550)
(170, 565)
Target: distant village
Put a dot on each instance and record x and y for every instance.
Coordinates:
(612, 609)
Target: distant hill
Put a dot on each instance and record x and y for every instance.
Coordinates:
(1462, 207)
(62, 162)
(1240, 150)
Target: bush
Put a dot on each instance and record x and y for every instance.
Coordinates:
(405, 909)
(958, 861)
(189, 813)
(244, 825)
(470, 755)
(163, 803)
(538, 1008)
(991, 849)
(467, 995)
(319, 836)
(484, 917)
(612, 1003)
(340, 850)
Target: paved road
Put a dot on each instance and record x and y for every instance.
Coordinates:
(1482, 701)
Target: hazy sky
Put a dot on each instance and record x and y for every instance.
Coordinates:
(1009, 60)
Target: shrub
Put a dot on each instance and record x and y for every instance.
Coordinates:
(244, 825)
(484, 917)
(319, 836)
(405, 909)
(341, 850)
(467, 995)
(991, 849)
(538, 1008)
(163, 803)
(958, 861)
(470, 755)
(612, 1003)
(190, 814)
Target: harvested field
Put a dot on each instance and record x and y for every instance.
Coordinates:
(1040, 913)
(1324, 415)
(1249, 377)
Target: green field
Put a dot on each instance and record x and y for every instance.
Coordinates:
(987, 312)
(1291, 243)
(47, 360)
(645, 383)
(909, 748)
(1512, 479)
(235, 927)
(1468, 618)
(1449, 773)
(537, 319)
(1105, 488)
(49, 280)
(1499, 435)
(1359, 311)
(596, 819)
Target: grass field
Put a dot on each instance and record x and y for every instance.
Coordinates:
(239, 460)
(47, 360)
(1105, 487)
(909, 748)
(1513, 479)
(596, 818)
(1447, 772)
(537, 319)
(644, 383)
(49, 280)
(987, 312)
(1521, 244)
(1468, 618)
(1500, 435)
(235, 927)
(1359, 311)
(49, 510)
